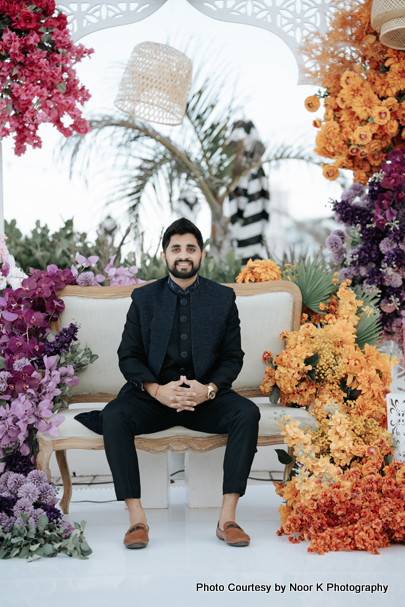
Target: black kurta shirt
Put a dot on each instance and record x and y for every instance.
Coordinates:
(179, 360)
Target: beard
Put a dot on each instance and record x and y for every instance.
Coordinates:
(184, 274)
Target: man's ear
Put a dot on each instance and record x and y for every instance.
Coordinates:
(203, 254)
(163, 256)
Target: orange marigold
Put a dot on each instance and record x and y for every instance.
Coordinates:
(312, 103)
(317, 123)
(330, 172)
(362, 135)
(259, 270)
(381, 114)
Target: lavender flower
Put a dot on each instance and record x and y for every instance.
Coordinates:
(14, 482)
(393, 279)
(4, 375)
(357, 189)
(20, 363)
(345, 274)
(338, 256)
(46, 494)
(334, 243)
(38, 478)
(386, 245)
(86, 279)
(6, 521)
(29, 491)
(23, 505)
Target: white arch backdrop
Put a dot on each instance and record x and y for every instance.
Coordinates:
(290, 20)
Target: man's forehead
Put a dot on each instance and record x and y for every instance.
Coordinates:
(179, 239)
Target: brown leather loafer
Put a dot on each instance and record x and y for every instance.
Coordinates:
(233, 535)
(137, 536)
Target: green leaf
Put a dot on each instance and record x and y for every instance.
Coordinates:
(48, 550)
(24, 552)
(314, 281)
(312, 360)
(284, 457)
(42, 523)
(274, 395)
(24, 517)
(62, 87)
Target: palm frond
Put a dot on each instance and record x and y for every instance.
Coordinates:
(369, 329)
(315, 282)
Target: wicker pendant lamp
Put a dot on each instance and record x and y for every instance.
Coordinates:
(155, 84)
(388, 18)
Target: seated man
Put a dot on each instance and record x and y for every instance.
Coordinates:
(180, 353)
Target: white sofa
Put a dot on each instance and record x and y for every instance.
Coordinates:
(265, 310)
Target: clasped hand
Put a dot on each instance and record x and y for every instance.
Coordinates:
(177, 396)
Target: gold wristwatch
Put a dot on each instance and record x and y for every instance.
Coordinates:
(211, 392)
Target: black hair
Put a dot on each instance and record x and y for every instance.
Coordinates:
(182, 226)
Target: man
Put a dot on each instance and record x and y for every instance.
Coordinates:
(180, 353)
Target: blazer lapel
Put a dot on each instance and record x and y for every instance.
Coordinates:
(161, 328)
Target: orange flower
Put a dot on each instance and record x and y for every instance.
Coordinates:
(381, 114)
(312, 103)
(317, 123)
(354, 149)
(362, 135)
(392, 128)
(259, 270)
(330, 172)
(375, 158)
(391, 104)
(348, 78)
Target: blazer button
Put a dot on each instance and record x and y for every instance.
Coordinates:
(184, 302)
(184, 354)
(183, 318)
(184, 336)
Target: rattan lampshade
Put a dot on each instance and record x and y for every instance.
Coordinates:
(388, 18)
(155, 84)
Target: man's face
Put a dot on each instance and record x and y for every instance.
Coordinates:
(183, 256)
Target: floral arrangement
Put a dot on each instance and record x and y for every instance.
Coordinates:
(259, 270)
(374, 220)
(38, 82)
(37, 370)
(118, 277)
(363, 92)
(348, 493)
(322, 363)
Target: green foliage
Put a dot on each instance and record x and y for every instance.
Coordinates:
(226, 271)
(32, 543)
(151, 267)
(42, 248)
(314, 280)
(369, 329)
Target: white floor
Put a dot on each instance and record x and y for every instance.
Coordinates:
(184, 552)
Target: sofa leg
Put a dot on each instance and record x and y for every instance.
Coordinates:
(67, 481)
(43, 457)
(289, 467)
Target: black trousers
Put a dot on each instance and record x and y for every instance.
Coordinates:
(134, 412)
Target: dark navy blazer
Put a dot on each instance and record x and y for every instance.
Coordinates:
(215, 333)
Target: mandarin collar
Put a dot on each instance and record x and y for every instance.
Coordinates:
(178, 290)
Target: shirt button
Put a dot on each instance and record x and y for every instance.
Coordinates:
(184, 336)
(184, 302)
(183, 318)
(184, 354)
(182, 371)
